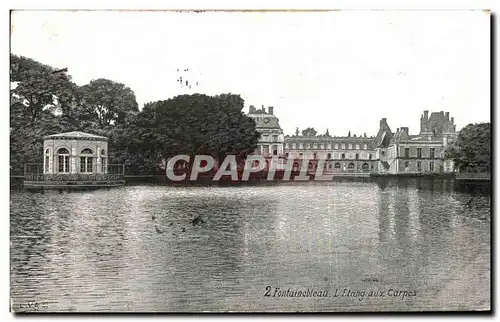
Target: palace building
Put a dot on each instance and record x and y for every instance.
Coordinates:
(267, 124)
(387, 152)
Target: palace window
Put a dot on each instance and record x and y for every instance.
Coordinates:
(343, 156)
(419, 166)
(432, 151)
(350, 166)
(294, 145)
(350, 146)
(357, 146)
(370, 156)
(336, 165)
(314, 156)
(365, 147)
(407, 164)
(286, 155)
(419, 152)
(343, 146)
(86, 161)
(275, 138)
(431, 166)
(62, 160)
(407, 152)
(357, 156)
(365, 167)
(336, 146)
(329, 156)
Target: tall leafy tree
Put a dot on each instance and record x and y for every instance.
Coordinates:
(198, 124)
(471, 152)
(39, 87)
(37, 93)
(106, 102)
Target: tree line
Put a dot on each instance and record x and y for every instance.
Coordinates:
(46, 101)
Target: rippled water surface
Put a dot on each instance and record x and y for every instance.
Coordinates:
(103, 251)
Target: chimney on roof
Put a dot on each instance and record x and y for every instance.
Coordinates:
(426, 114)
(252, 109)
(447, 114)
(271, 110)
(383, 123)
(404, 129)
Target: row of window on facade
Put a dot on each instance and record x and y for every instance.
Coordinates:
(432, 152)
(275, 138)
(336, 146)
(329, 156)
(86, 161)
(419, 166)
(337, 166)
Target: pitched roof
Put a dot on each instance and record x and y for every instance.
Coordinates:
(76, 135)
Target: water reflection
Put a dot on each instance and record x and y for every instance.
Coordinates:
(136, 249)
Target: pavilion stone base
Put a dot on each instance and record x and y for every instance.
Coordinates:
(72, 181)
(71, 185)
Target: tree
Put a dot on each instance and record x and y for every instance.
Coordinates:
(106, 102)
(37, 92)
(39, 87)
(471, 152)
(198, 124)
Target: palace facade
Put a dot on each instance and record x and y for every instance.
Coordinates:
(387, 152)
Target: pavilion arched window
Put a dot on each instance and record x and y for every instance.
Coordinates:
(365, 167)
(86, 160)
(104, 161)
(63, 160)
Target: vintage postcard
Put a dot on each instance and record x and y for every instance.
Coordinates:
(250, 161)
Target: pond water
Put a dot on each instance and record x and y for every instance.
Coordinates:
(412, 245)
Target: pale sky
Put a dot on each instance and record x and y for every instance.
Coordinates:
(341, 70)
